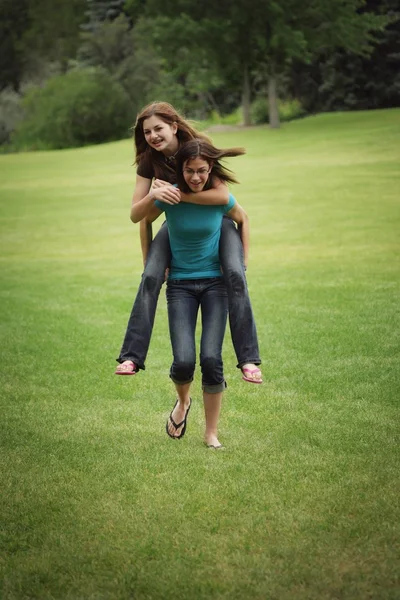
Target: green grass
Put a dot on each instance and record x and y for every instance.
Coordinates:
(97, 502)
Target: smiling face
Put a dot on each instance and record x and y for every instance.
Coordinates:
(161, 135)
(195, 173)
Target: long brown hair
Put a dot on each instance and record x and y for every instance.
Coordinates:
(199, 148)
(167, 113)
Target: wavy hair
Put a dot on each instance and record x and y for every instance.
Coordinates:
(200, 148)
(167, 113)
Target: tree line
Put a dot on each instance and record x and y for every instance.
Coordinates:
(77, 71)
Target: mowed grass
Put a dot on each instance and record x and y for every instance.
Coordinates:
(97, 502)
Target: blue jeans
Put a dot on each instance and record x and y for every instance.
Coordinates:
(241, 319)
(140, 325)
(185, 297)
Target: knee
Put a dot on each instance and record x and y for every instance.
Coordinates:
(153, 275)
(235, 279)
(182, 370)
(152, 282)
(211, 367)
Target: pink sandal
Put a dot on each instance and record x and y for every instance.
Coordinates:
(127, 364)
(248, 371)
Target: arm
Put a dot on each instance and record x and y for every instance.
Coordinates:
(144, 197)
(217, 195)
(146, 237)
(240, 217)
(146, 231)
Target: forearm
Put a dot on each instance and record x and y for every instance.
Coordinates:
(141, 209)
(244, 232)
(146, 237)
(215, 196)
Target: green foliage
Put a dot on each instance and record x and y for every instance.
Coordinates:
(126, 55)
(79, 108)
(199, 56)
(10, 114)
(288, 110)
(344, 80)
(248, 36)
(14, 21)
(53, 33)
(99, 11)
(214, 119)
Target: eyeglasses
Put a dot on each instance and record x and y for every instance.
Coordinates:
(201, 172)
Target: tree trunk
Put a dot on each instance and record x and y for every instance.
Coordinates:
(246, 98)
(274, 121)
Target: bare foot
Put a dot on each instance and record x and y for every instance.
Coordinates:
(251, 373)
(211, 441)
(128, 367)
(178, 418)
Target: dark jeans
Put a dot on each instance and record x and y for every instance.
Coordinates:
(241, 319)
(140, 324)
(184, 297)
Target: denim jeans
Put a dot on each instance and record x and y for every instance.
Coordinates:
(185, 297)
(241, 319)
(141, 321)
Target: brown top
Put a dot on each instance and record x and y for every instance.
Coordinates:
(162, 168)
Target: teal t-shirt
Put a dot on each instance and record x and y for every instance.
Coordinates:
(194, 232)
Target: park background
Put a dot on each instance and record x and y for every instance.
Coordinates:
(97, 502)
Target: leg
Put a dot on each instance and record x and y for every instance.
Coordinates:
(176, 424)
(141, 321)
(182, 316)
(214, 309)
(212, 409)
(241, 318)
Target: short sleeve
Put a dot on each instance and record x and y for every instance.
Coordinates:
(230, 205)
(144, 171)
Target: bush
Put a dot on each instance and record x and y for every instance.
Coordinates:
(288, 110)
(79, 108)
(10, 114)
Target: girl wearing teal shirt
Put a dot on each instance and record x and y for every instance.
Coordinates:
(195, 282)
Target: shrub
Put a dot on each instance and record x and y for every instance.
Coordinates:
(10, 114)
(79, 108)
(288, 110)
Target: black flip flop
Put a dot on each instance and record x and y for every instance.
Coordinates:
(178, 425)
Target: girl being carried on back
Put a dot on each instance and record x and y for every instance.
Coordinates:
(159, 131)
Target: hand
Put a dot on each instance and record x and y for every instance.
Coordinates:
(166, 274)
(159, 183)
(165, 192)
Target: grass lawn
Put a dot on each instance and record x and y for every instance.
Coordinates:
(97, 502)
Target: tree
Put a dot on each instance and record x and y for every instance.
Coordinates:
(14, 21)
(292, 30)
(120, 50)
(187, 76)
(35, 33)
(53, 35)
(99, 11)
(265, 36)
(344, 80)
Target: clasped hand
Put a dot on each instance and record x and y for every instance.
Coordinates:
(165, 192)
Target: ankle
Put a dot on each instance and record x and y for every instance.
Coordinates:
(184, 402)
